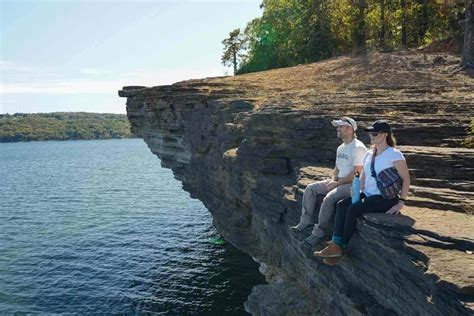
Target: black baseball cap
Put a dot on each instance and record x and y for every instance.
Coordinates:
(379, 126)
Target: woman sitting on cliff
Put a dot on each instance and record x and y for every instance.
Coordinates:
(386, 156)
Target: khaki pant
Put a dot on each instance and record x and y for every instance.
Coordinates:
(327, 208)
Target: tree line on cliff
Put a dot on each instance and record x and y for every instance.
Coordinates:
(63, 126)
(292, 32)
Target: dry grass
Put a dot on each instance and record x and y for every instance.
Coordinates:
(469, 141)
(346, 76)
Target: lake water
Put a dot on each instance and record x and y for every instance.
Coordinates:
(99, 227)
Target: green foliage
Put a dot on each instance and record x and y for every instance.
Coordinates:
(275, 39)
(232, 47)
(292, 32)
(63, 126)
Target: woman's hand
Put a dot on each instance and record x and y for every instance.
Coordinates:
(396, 208)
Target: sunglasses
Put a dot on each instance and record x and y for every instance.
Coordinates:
(373, 134)
(347, 121)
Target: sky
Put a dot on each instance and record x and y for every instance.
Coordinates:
(74, 55)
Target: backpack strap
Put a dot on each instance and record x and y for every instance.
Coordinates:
(372, 165)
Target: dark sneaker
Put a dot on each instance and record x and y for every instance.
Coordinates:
(312, 241)
(300, 231)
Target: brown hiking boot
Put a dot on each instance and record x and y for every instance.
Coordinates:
(331, 251)
(332, 261)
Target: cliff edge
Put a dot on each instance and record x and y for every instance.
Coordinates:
(247, 146)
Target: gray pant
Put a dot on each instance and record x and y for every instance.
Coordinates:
(327, 209)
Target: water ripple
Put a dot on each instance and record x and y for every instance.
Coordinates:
(99, 227)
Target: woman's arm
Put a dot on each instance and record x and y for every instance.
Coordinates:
(402, 168)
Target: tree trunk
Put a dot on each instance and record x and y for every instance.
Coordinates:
(423, 26)
(382, 24)
(235, 61)
(468, 49)
(403, 4)
(360, 35)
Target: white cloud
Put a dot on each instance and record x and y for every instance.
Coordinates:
(139, 77)
(20, 78)
(65, 87)
(6, 65)
(19, 72)
(91, 71)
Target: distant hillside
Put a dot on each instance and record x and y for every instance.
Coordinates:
(63, 126)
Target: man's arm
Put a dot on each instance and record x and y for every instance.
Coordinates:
(358, 163)
(335, 173)
(350, 176)
(334, 180)
(347, 179)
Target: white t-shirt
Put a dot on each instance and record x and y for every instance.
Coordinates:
(383, 161)
(348, 156)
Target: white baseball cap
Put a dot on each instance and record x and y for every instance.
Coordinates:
(345, 120)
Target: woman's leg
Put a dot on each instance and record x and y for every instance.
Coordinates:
(335, 250)
(341, 210)
(371, 204)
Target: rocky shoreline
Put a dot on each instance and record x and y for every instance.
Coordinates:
(247, 146)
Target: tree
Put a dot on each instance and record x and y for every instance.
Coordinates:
(403, 4)
(423, 20)
(232, 48)
(320, 40)
(292, 32)
(468, 49)
(382, 24)
(361, 31)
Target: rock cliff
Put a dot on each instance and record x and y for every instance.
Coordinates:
(247, 146)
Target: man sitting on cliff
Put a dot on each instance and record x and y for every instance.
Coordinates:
(348, 160)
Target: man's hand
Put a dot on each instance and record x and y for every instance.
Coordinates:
(396, 208)
(331, 185)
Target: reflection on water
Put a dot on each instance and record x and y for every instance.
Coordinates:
(100, 227)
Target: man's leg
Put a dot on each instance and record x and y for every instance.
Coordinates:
(328, 207)
(309, 202)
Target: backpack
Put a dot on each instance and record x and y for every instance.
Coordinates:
(388, 180)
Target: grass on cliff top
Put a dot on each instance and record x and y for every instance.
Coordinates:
(347, 75)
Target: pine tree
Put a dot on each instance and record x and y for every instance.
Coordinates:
(232, 47)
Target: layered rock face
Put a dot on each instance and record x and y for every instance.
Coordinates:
(247, 146)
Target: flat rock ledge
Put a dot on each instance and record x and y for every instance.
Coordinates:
(247, 146)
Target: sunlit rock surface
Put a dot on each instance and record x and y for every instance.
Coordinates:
(247, 146)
